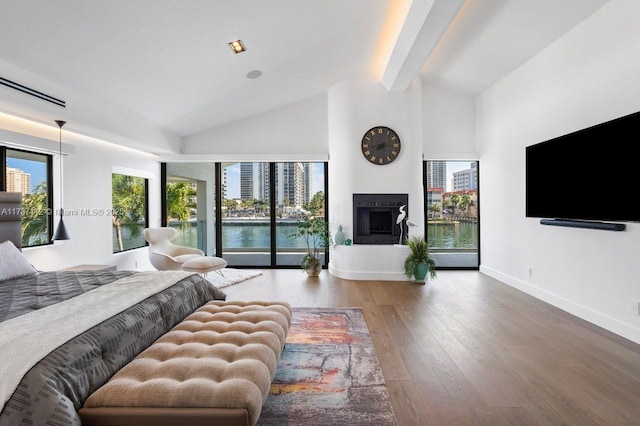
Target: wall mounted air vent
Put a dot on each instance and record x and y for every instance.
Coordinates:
(32, 92)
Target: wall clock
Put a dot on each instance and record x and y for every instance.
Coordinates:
(380, 145)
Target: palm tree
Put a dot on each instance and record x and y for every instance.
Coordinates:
(35, 220)
(248, 203)
(445, 204)
(129, 204)
(455, 199)
(229, 205)
(465, 202)
(436, 209)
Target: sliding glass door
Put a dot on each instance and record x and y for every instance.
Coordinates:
(249, 219)
(246, 214)
(452, 213)
(299, 191)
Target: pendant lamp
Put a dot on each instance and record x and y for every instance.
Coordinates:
(61, 231)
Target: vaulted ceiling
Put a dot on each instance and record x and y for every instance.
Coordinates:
(169, 61)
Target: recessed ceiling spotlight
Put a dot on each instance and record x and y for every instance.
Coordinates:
(237, 46)
(254, 74)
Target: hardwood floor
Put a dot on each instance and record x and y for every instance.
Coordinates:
(466, 349)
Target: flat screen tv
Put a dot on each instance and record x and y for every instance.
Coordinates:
(591, 175)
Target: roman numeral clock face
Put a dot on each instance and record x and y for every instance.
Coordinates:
(380, 145)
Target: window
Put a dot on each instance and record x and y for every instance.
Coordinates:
(452, 213)
(130, 212)
(245, 212)
(30, 174)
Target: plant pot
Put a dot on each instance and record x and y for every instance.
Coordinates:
(314, 270)
(420, 272)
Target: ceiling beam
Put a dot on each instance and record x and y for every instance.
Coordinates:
(426, 22)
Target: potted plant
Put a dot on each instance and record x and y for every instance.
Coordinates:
(315, 232)
(418, 263)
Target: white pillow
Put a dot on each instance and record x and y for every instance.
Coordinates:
(12, 263)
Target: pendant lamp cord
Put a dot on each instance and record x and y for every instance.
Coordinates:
(60, 151)
(61, 123)
(61, 232)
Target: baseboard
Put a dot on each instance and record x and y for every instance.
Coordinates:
(608, 323)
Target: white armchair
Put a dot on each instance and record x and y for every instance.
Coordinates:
(163, 254)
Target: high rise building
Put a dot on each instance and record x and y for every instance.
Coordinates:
(437, 174)
(308, 182)
(224, 181)
(18, 181)
(254, 181)
(290, 184)
(466, 179)
(293, 182)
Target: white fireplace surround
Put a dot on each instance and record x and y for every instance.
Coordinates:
(350, 172)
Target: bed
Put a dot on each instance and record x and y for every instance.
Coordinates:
(64, 334)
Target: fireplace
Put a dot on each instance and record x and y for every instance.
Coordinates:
(374, 218)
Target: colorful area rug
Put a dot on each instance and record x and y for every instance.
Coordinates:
(231, 276)
(328, 374)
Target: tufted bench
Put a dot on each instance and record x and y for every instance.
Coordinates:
(215, 367)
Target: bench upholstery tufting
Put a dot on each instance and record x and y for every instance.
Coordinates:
(216, 366)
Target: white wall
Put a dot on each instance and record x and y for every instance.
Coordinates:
(87, 200)
(299, 128)
(448, 119)
(587, 77)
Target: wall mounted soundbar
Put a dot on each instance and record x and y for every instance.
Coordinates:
(607, 226)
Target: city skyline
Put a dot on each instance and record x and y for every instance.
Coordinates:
(450, 167)
(233, 179)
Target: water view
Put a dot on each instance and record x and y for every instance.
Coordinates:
(459, 235)
(256, 235)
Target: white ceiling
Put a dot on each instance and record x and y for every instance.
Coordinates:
(168, 60)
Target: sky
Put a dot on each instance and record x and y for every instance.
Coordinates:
(37, 170)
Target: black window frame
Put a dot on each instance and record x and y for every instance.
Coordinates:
(219, 168)
(50, 184)
(426, 211)
(146, 210)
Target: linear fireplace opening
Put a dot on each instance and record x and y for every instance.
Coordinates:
(374, 218)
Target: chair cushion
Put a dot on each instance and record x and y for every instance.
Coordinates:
(158, 235)
(204, 264)
(183, 258)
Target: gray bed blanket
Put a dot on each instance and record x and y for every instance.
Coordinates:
(19, 296)
(55, 388)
